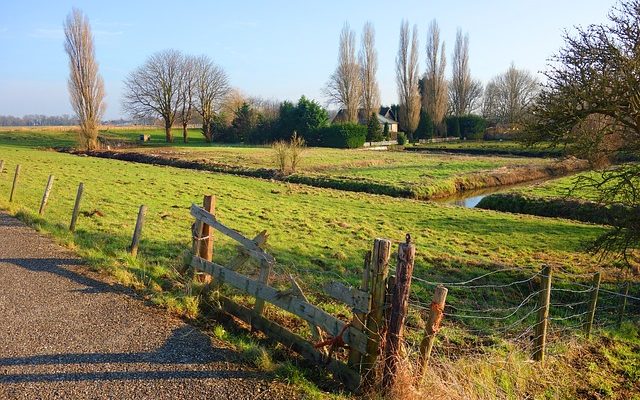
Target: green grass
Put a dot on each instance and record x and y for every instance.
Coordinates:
(504, 147)
(317, 234)
(400, 174)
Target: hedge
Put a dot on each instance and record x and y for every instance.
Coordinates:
(467, 126)
(346, 136)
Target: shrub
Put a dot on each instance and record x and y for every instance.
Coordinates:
(467, 126)
(374, 131)
(425, 126)
(296, 147)
(402, 138)
(346, 136)
(281, 153)
(385, 132)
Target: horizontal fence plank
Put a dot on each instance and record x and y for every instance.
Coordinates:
(292, 341)
(358, 300)
(254, 250)
(292, 304)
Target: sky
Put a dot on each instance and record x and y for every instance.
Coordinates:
(273, 49)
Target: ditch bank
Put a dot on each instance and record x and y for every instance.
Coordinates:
(550, 153)
(578, 210)
(421, 191)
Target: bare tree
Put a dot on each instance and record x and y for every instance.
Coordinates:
(153, 89)
(464, 92)
(86, 88)
(186, 94)
(509, 96)
(435, 96)
(212, 86)
(368, 68)
(344, 87)
(407, 78)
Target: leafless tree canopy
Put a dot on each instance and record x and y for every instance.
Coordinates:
(212, 86)
(464, 92)
(368, 69)
(509, 96)
(86, 88)
(153, 89)
(407, 78)
(344, 87)
(435, 96)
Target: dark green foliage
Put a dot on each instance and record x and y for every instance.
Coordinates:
(244, 122)
(402, 138)
(303, 117)
(385, 131)
(374, 130)
(348, 136)
(466, 126)
(425, 126)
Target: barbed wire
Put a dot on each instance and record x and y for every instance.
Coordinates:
(464, 283)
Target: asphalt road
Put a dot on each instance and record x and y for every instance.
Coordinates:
(67, 333)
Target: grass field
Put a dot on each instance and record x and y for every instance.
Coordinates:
(495, 147)
(400, 174)
(317, 234)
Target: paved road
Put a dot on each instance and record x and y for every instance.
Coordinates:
(65, 333)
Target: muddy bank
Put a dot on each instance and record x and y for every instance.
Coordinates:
(421, 191)
(578, 210)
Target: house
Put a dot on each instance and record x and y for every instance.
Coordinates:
(385, 116)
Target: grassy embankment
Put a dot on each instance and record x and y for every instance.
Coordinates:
(566, 197)
(317, 233)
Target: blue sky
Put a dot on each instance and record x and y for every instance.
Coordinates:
(275, 49)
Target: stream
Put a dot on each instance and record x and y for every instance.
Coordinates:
(471, 198)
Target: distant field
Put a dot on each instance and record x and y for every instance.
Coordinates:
(496, 147)
(395, 173)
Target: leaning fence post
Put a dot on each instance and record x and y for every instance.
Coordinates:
(398, 314)
(433, 326)
(359, 319)
(135, 241)
(593, 303)
(623, 305)
(375, 322)
(76, 208)
(45, 196)
(15, 182)
(540, 340)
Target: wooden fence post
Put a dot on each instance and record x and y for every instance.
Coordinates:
(433, 326)
(593, 303)
(45, 196)
(135, 241)
(1, 165)
(398, 314)
(540, 340)
(375, 322)
(15, 182)
(205, 245)
(76, 208)
(359, 319)
(623, 305)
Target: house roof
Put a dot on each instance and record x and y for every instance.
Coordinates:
(383, 116)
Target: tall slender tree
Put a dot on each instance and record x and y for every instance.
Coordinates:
(464, 91)
(368, 68)
(407, 78)
(434, 96)
(86, 87)
(344, 87)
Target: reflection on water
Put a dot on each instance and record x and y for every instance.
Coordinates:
(468, 202)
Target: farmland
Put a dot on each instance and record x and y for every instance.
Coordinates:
(315, 233)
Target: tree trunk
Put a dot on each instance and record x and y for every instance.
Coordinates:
(206, 129)
(185, 133)
(167, 132)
